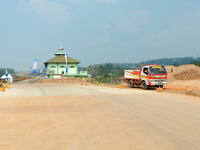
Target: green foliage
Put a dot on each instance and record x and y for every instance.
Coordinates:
(3, 70)
(99, 71)
(103, 73)
(106, 80)
(195, 62)
(95, 82)
(90, 68)
(175, 65)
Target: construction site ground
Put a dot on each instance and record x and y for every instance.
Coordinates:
(47, 116)
(71, 114)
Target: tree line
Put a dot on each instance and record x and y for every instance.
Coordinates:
(109, 71)
(3, 71)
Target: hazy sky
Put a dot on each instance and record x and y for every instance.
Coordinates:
(97, 31)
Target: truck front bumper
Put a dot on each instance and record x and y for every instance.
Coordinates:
(158, 82)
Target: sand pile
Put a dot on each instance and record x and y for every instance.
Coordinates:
(187, 75)
(70, 80)
(184, 72)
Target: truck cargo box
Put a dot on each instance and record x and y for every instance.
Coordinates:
(132, 74)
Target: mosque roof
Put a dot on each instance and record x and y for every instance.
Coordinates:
(61, 59)
(59, 52)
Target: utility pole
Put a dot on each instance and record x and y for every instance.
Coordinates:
(111, 77)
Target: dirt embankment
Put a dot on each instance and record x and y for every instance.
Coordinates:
(184, 79)
(184, 72)
(21, 79)
(67, 80)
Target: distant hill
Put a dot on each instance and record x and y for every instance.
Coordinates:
(163, 61)
(171, 61)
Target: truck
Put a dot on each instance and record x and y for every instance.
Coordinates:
(149, 75)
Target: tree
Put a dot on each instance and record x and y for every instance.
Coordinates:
(89, 69)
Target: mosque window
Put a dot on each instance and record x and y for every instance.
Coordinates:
(52, 67)
(62, 66)
(71, 66)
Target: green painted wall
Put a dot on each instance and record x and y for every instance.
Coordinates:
(59, 68)
(52, 68)
(62, 68)
(72, 69)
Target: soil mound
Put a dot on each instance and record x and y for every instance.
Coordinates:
(183, 72)
(21, 79)
(66, 80)
(187, 75)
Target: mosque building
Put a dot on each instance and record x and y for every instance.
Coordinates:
(56, 67)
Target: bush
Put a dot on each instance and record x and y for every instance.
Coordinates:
(95, 82)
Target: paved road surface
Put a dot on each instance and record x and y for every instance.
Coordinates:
(64, 117)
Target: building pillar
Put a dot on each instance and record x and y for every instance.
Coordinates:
(57, 69)
(76, 68)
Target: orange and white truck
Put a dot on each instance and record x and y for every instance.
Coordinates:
(149, 75)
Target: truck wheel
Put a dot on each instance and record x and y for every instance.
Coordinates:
(130, 83)
(144, 86)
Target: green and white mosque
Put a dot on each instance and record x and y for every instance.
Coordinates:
(56, 67)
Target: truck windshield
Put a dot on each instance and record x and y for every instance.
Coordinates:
(157, 70)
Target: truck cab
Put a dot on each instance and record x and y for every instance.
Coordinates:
(153, 75)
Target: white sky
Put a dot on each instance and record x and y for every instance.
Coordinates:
(97, 31)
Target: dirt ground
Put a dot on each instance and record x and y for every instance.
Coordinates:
(73, 117)
(65, 115)
(65, 80)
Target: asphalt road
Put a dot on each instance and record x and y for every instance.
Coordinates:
(73, 117)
